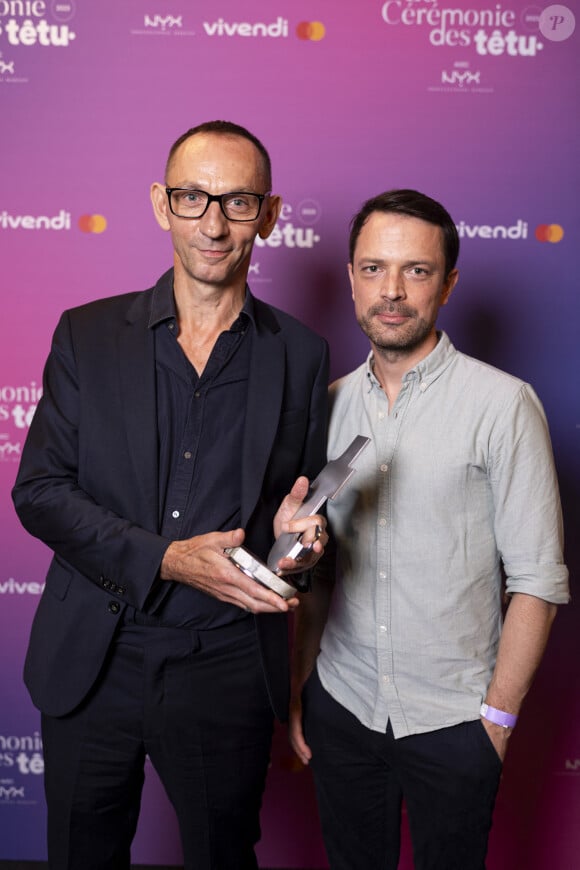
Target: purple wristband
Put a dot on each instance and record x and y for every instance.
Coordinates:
(498, 717)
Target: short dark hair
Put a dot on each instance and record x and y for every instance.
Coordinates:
(413, 204)
(224, 128)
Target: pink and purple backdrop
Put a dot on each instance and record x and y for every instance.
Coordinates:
(474, 103)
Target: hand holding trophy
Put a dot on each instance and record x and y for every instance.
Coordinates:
(326, 485)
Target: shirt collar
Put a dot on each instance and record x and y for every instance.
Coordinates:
(427, 370)
(163, 305)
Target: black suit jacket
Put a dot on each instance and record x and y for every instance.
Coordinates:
(88, 481)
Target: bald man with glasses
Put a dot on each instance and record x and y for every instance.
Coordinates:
(176, 423)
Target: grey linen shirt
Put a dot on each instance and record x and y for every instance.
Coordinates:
(458, 481)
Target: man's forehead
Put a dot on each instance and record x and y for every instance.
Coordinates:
(223, 150)
(400, 228)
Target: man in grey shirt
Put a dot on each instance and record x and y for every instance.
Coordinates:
(408, 674)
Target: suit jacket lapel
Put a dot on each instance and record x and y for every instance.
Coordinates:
(265, 392)
(138, 394)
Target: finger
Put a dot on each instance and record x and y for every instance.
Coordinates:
(300, 487)
(237, 585)
(319, 545)
(310, 527)
(257, 598)
(313, 542)
(282, 605)
(296, 495)
(299, 744)
(312, 535)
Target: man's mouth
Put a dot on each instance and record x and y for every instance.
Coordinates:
(392, 315)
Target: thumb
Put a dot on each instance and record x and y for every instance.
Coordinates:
(297, 494)
(234, 538)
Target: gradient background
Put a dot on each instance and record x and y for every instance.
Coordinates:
(350, 100)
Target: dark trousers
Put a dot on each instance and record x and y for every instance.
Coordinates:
(447, 778)
(197, 704)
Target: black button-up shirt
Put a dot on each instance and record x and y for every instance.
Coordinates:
(200, 427)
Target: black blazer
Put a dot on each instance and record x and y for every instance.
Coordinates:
(88, 481)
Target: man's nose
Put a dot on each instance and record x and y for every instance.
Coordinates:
(213, 223)
(393, 286)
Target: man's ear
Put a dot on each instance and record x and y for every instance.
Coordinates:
(160, 205)
(448, 286)
(273, 206)
(351, 279)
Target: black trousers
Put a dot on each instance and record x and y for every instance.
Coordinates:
(197, 704)
(447, 778)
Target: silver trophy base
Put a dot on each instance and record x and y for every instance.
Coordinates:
(255, 569)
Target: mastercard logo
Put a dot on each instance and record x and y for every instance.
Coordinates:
(92, 223)
(313, 30)
(549, 233)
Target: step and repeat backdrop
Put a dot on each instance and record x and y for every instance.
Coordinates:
(474, 102)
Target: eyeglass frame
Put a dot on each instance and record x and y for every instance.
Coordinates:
(217, 198)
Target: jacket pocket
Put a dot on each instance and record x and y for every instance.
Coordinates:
(58, 578)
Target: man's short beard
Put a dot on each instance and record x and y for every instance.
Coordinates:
(399, 339)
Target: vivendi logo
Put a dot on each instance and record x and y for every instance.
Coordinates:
(312, 31)
(60, 221)
(517, 231)
(87, 223)
(221, 27)
(21, 587)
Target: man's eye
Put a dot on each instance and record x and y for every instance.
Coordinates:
(239, 203)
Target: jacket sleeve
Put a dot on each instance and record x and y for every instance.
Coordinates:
(80, 526)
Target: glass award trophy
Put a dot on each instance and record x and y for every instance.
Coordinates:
(327, 485)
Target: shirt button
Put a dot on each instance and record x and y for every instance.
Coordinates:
(382, 575)
(382, 521)
(175, 514)
(197, 394)
(383, 628)
(384, 467)
(187, 455)
(422, 386)
(381, 415)
(386, 678)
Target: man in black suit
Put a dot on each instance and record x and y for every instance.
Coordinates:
(175, 423)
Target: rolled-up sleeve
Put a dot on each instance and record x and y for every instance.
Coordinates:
(528, 516)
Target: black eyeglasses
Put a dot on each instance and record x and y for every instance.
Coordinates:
(185, 202)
